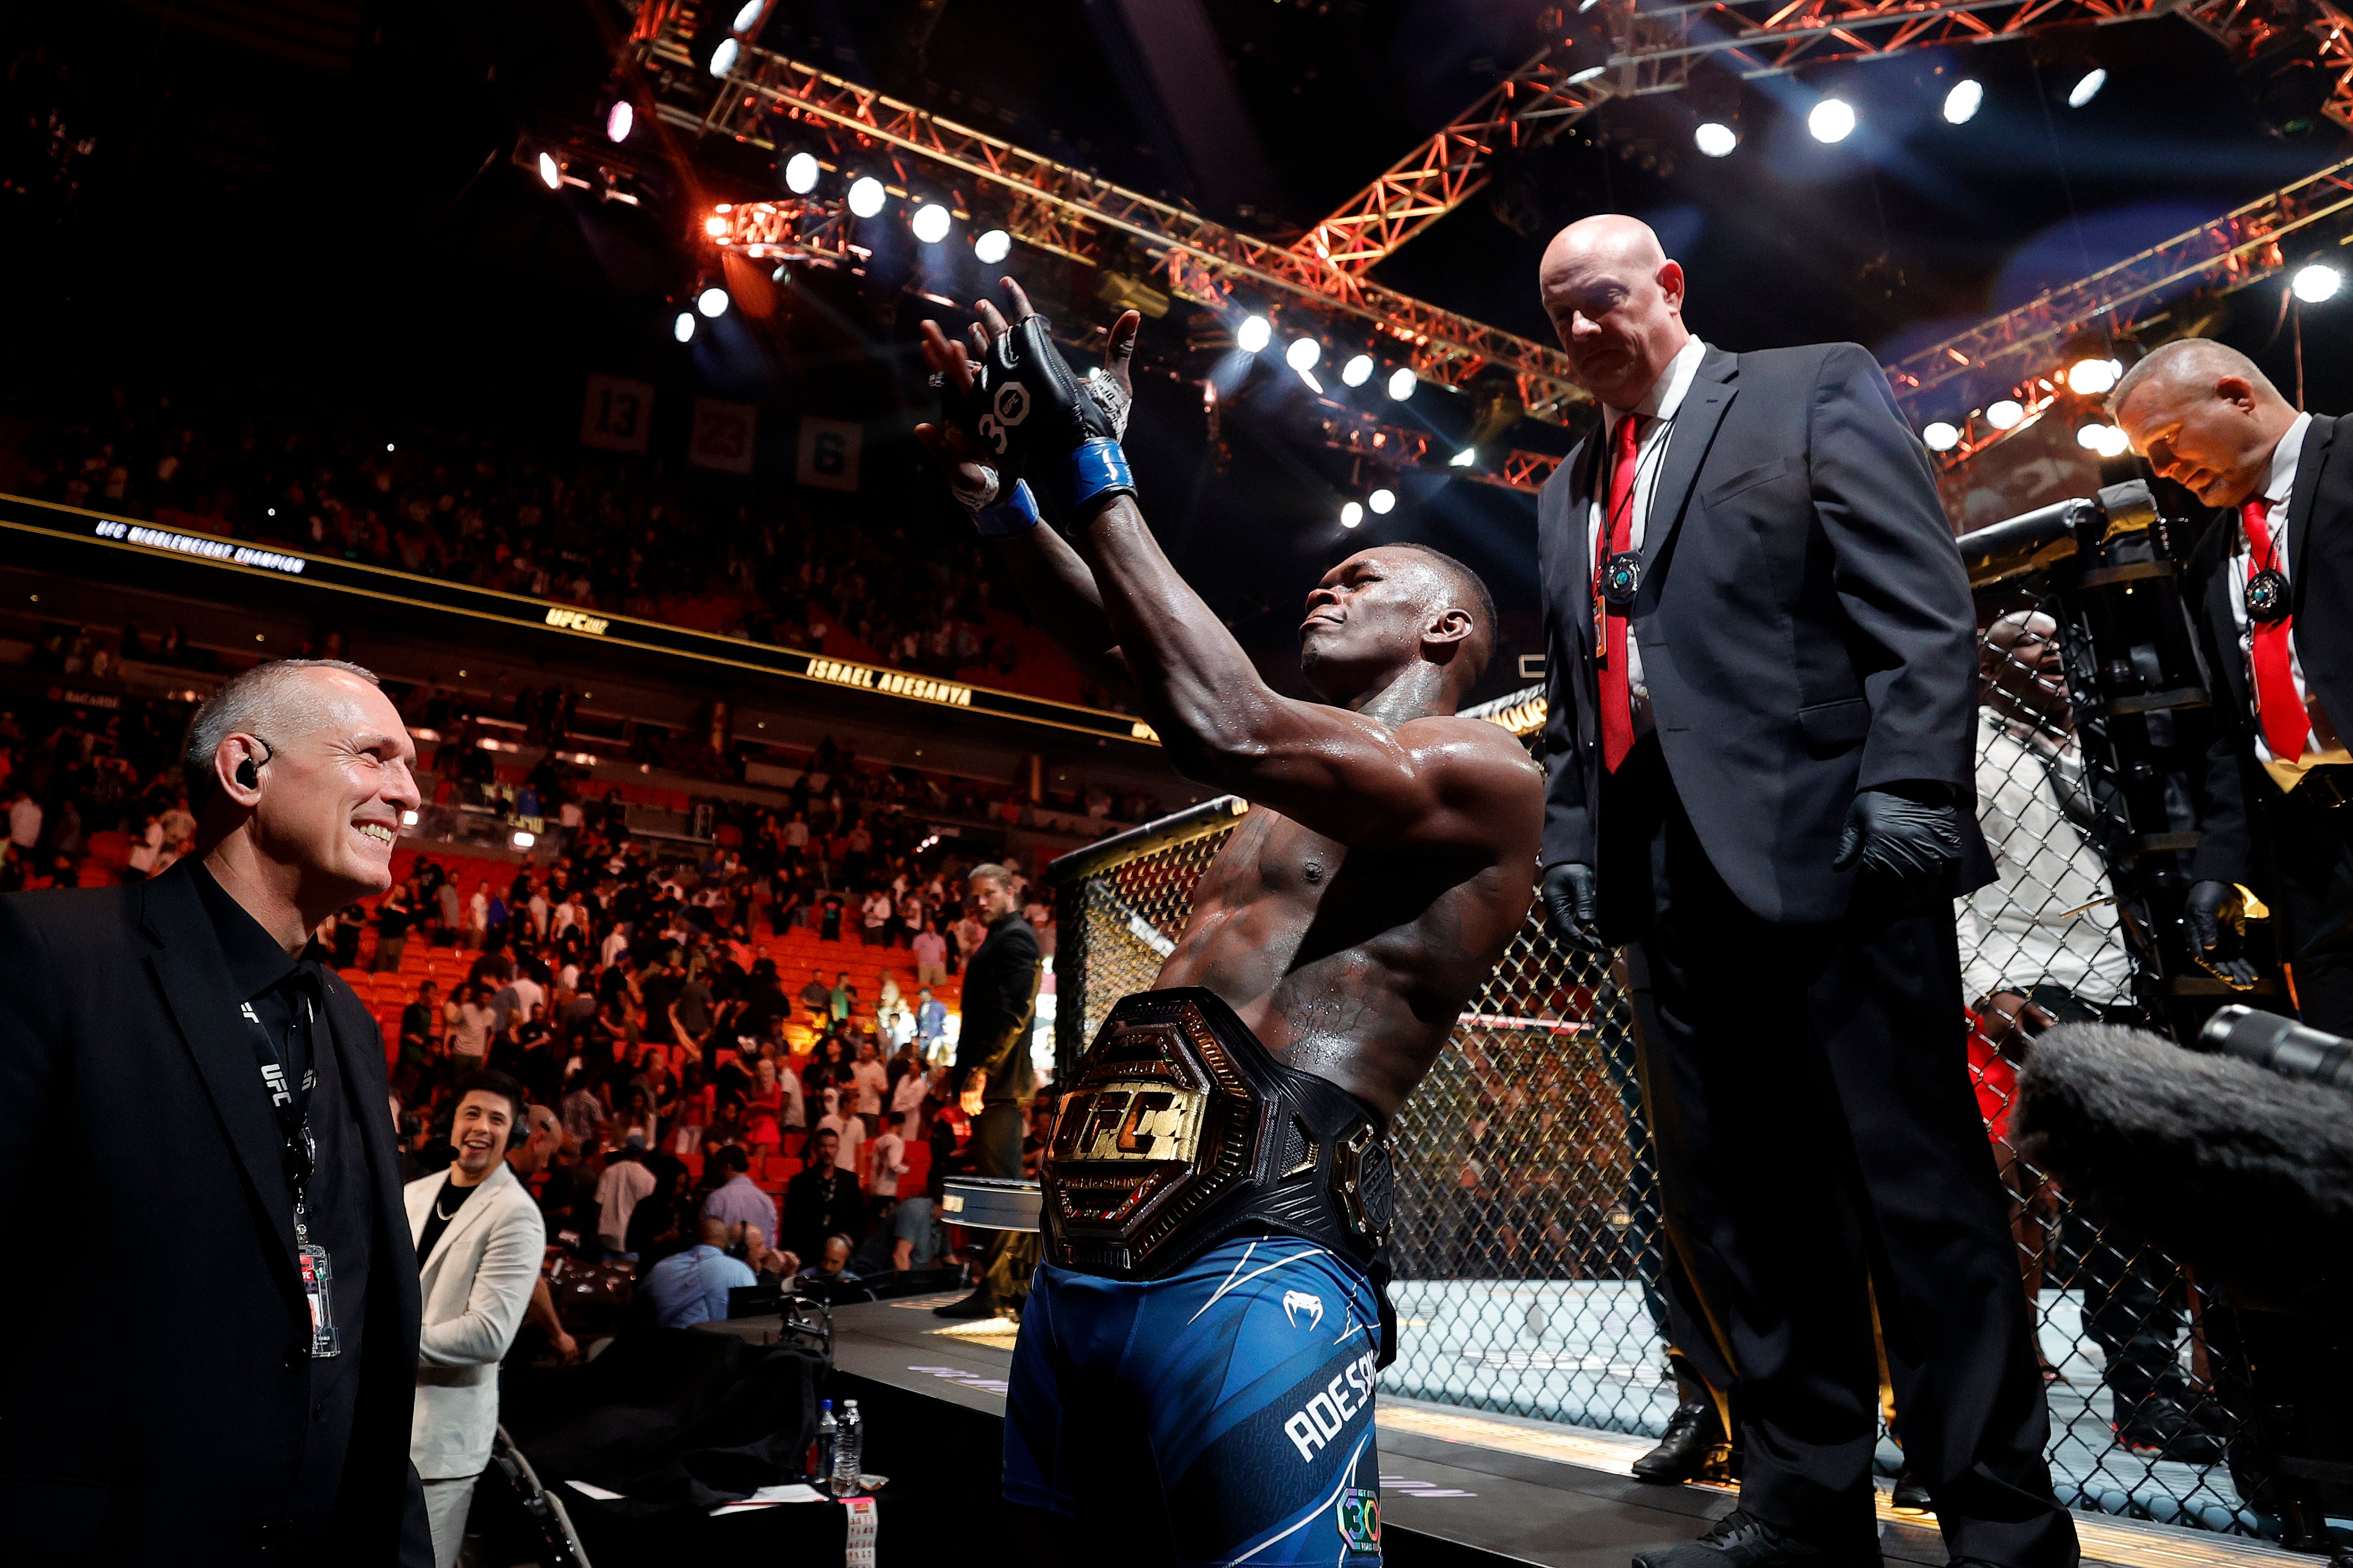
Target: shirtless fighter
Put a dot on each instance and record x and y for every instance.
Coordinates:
(1194, 1378)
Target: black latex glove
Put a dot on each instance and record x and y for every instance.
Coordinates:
(2204, 911)
(1908, 840)
(1570, 903)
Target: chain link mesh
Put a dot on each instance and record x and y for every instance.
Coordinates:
(1528, 1250)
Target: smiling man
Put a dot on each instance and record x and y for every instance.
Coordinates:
(1193, 1377)
(242, 1390)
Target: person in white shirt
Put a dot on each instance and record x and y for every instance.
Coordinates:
(625, 1181)
(470, 1020)
(617, 941)
(850, 1130)
(886, 1162)
(478, 916)
(479, 1240)
(871, 1080)
(2049, 917)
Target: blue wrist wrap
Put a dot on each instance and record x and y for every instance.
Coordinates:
(1097, 469)
(1017, 513)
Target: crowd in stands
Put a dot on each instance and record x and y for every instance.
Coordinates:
(755, 1031)
(635, 536)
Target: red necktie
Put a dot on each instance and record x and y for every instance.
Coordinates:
(2278, 706)
(1616, 536)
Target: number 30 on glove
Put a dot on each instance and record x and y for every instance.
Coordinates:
(1033, 415)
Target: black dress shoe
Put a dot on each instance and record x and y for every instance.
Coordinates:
(981, 1303)
(1693, 1434)
(1741, 1540)
(1911, 1496)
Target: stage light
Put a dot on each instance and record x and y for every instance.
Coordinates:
(712, 301)
(2087, 87)
(1308, 376)
(551, 173)
(866, 195)
(523, 840)
(1303, 354)
(1963, 101)
(749, 16)
(1401, 385)
(1253, 334)
(932, 223)
(723, 58)
(684, 327)
(800, 173)
(992, 247)
(1715, 139)
(619, 121)
(1351, 513)
(388, 445)
(715, 227)
(2105, 439)
(1383, 501)
(1833, 119)
(1358, 371)
(1463, 458)
(2091, 377)
(1940, 436)
(1588, 74)
(2317, 283)
(2005, 414)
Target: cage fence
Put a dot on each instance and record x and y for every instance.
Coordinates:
(1527, 1242)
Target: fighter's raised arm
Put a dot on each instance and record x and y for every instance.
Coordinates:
(1392, 765)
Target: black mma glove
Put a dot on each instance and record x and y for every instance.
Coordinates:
(1042, 420)
(2209, 905)
(1571, 904)
(1910, 840)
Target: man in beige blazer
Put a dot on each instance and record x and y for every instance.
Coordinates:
(480, 1240)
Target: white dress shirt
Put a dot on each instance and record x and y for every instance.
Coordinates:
(1659, 406)
(2321, 747)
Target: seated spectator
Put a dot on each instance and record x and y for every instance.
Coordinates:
(832, 1266)
(691, 1287)
(822, 1200)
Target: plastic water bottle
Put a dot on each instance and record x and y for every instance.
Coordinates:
(828, 1438)
(847, 1451)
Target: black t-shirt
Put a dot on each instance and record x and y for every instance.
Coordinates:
(446, 1204)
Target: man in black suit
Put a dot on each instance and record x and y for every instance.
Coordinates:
(821, 1200)
(992, 1068)
(165, 1052)
(2273, 588)
(1763, 682)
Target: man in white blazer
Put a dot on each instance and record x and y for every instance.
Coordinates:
(480, 1240)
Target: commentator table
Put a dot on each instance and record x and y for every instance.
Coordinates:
(1457, 1487)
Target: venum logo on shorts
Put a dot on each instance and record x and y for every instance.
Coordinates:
(1322, 1419)
(1360, 1518)
(1297, 1302)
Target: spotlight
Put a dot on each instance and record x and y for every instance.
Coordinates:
(1963, 100)
(712, 301)
(1313, 386)
(2091, 377)
(931, 223)
(684, 327)
(2317, 283)
(1302, 353)
(1833, 119)
(1463, 458)
(523, 840)
(1401, 385)
(992, 247)
(1351, 513)
(800, 173)
(1715, 139)
(2105, 439)
(1253, 334)
(723, 58)
(715, 227)
(388, 445)
(2087, 87)
(1940, 436)
(2005, 414)
(1383, 501)
(749, 16)
(1585, 75)
(1358, 371)
(551, 173)
(866, 195)
(619, 121)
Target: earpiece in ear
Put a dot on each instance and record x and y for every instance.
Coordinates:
(247, 775)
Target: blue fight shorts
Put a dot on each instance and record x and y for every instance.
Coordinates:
(1229, 1406)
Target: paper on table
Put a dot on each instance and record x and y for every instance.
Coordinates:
(794, 1491)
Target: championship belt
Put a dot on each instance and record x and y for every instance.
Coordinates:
(1181, 1130)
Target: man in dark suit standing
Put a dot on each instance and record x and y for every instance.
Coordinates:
(238, 1387)
(1763, 679)
(992, 1075)
(2273, 588)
